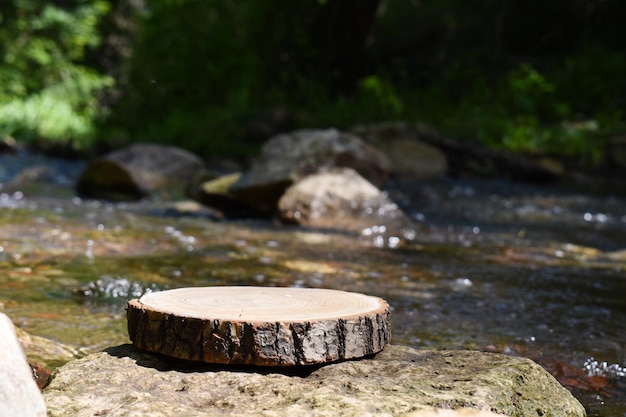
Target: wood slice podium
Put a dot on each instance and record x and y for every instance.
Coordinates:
(267, 326)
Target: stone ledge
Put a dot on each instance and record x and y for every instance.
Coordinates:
(398, 381)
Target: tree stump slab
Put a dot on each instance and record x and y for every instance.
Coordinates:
(266, 326)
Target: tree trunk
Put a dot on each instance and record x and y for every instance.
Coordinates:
(259, 325)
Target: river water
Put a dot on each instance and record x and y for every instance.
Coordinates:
(524, 270)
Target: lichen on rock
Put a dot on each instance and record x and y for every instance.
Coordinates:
(397, 381)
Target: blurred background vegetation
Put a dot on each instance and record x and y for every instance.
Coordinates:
(219, 77)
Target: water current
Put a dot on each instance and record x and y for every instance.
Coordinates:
(525, 270)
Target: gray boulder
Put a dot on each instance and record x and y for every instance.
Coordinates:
(138, 171)
(19, 394)
(410, 157)
(286, 158)
(127, 382)
(341, 199)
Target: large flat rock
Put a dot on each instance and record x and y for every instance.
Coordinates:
(398, 381)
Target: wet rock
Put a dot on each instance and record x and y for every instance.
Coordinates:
(179, 209)
(43, 352)
(287, 158)
(467, 159)
(215, 193)
(19, 394)
(473, 160)
(398, 381)
(31, 174)
(341, 199)
(411, 159)
(139, 170)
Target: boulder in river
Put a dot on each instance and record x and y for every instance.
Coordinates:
(397, 381)
(138, 171)
(410, 157)
(215, 193)
(19, 394)
(286, 158)
(341, 199)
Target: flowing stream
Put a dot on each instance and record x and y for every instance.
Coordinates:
(524, 270)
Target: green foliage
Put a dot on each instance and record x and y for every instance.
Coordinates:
(567, 107)
(195, 72)
(45, 91)
(459, 67)
(376, 99)
(381, 93)
(192, 75)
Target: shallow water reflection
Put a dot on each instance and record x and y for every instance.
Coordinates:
(527, 271)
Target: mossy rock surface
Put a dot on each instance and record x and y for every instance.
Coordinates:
(397, 381)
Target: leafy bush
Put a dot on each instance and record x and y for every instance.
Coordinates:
(195, 72)
(567, 106)
(45, 91)
(202, 69)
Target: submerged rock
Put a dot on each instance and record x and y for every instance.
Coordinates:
(44, 352)
(19, 394)
(341, 199)
(398, 381)
(287, 158)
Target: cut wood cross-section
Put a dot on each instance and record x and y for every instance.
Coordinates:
(268, 326)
